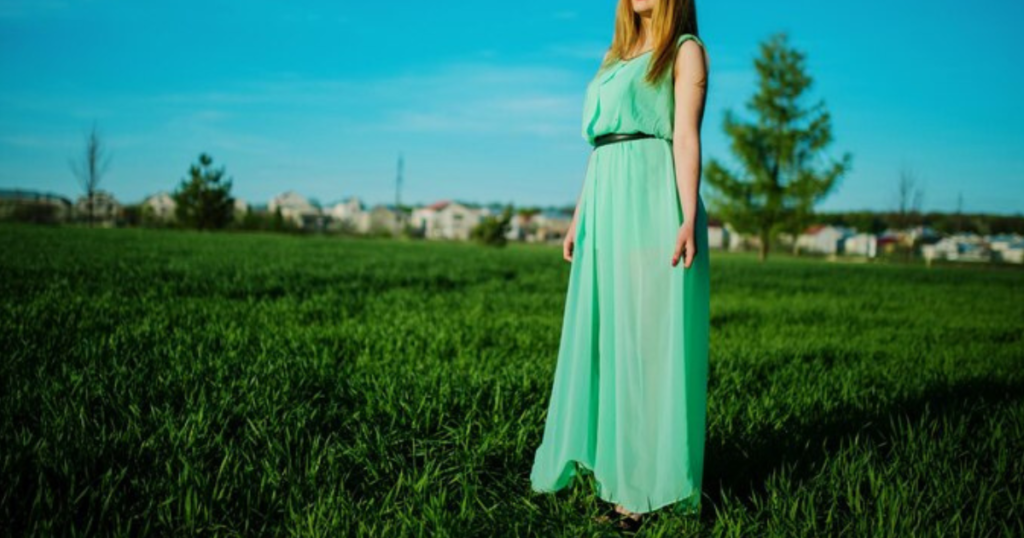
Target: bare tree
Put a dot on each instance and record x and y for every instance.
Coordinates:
(91, 168)
(908, 198)
(908, 203)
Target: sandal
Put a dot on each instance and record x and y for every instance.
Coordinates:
(607, 515)
(630, 521)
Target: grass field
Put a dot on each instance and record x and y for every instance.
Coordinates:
(178, 383)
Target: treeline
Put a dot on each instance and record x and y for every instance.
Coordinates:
(944, 223)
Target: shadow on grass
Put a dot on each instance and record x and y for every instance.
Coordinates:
(741, 470)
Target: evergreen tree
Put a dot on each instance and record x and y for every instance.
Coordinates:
(779, 185)
(204, 199)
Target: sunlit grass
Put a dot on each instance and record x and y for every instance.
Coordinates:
(171, 383)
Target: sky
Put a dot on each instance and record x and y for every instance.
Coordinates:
(484, 100)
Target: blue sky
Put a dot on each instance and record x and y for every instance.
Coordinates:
(483, 99)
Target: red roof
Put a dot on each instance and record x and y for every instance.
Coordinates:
(813, 229)
(439, 205)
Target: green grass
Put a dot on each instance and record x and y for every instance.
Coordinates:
(175, 383)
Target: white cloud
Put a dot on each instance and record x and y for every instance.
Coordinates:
(474, 96)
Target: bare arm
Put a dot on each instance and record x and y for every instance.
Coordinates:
(690, 89)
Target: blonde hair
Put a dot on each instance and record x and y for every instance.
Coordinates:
(670, 19)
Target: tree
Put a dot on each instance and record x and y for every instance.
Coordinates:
(908, 199)
(204, 198)
(908, 206)
(493, 230)
(780, 183)
(91, 168)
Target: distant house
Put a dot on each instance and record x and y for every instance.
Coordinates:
(12, 199)
(295, 208)
(920, 234)
(349, 212)
(1007, 247)
(446, 219)
(958, 247)
(551, 225)
(1012, 254)
(383, 218)
(160, 206)
(887, 241)
(422, 219)
(823, 238)
(520, 227)
(740, 241)
(718, 236)
(105, 208)
(861, 244)
(975, 248)
(348, 209)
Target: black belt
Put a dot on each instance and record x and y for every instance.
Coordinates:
(619, 137)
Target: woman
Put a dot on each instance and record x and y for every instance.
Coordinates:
(628, 401)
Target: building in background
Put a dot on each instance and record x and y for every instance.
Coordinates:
(348, 214)
(446, 219)
(160, 206)
(551, 226)
(14, 201)
(105, 209)
(861, 244)
(297, 209)
(718, 235)
(383, 219)
(823, 238)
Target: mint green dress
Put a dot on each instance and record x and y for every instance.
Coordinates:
(628, 401)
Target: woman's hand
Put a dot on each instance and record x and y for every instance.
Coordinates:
(685, 245)
(569, 243)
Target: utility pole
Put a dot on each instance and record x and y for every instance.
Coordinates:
(398, 196)
(960, 212)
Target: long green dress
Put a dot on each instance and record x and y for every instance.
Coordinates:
(629, 397)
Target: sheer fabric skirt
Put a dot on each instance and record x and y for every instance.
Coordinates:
(628, 400)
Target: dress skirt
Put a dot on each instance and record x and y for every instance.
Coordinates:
(628, 400)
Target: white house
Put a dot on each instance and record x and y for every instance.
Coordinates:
(105, 208)
(551, 225)
(381, 218)
(975, 248)
(823, 238)
(1007, 247)
(739, 241)
(446, 220)
(1013, 254)
(861, 244)
(520, 227)
(718, 236)
(161, 205)
(350, 212)
(294, 207)
(958, 247)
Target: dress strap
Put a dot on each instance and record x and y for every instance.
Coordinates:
(684, 37)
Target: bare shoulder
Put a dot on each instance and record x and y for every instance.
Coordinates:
(690, 62)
